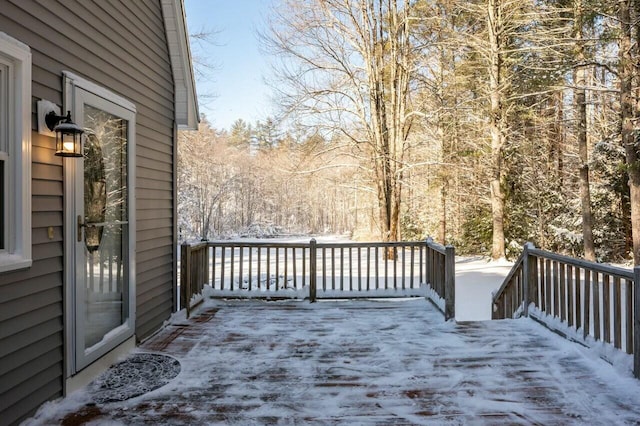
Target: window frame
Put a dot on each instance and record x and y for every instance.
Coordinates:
(16, 57)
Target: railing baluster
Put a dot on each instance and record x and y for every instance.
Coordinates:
(563, 294)
(359, 270)
(403, 266)
(259, 267)
(579, 301)
(587, 304)
(312, 270)
(548, 289)
(386, 268)
(617, 313)
(209, 260)
(350, 269)
(304, 267)
(421, 263)
(286, 268)
(250, 267)
(395, 268)
(555, 288)
(631, 288)
(597, 329)
(606, 308)
(341, 269)
(533, 280)
(570, 298)
(324, 269)
(268, 269)
(295, 272)
(240, 268)
(213, 267)
(222, 267)
(232, 262)
(368, 267)
(542, 280)
(277, 268)
(377, 272)
(412, 265)
(333, 268)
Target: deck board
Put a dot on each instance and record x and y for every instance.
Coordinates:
(373, 363)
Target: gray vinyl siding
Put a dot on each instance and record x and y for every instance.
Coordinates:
(120, 45)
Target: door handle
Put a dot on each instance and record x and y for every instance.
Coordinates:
(80, 225)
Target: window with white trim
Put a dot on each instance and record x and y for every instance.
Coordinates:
(15, 154)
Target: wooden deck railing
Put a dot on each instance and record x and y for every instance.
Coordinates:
(440, 266)
(194, 273)
(320, 270)
(595, 300)
(508, 300)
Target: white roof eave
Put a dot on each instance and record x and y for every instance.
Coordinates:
(186, 100)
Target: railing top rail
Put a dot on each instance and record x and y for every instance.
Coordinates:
(195, 246)
(436, 246)
(372, 244)
(598, 267)
(273, 244)
(256, 244)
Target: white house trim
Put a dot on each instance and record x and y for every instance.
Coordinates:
(186, 102)
(18, 255)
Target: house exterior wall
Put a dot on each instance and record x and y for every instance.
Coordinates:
(120, 45)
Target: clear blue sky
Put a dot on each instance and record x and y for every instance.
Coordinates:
(238, 83)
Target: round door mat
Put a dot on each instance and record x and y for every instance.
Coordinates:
(137, 375)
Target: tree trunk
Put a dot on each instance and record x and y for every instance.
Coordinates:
(497, 127)
(581, 131)
(628, 74)
(442, 237)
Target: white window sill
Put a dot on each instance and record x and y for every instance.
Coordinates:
(12, 262)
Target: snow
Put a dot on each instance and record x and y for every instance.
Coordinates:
(368, 362)
(385, 361)
(620, 360)
(476, 279)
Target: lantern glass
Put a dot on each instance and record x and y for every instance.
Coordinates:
(68, 144)
(68, 139)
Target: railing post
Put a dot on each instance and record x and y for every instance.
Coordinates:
(427, 262)
(525, 278)
(185, 276)
(205, 262)
(183, 273)
(449, 283)
(532, 278)
(636, 322)
(312, 270)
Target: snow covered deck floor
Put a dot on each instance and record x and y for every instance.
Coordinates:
(366, 362)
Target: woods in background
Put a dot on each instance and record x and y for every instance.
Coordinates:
(482, 123)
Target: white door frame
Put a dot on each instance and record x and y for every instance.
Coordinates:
(77, 92)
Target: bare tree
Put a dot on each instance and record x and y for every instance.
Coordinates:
(204, 178)
(347, 66)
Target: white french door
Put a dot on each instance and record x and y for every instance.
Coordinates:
(100, 221)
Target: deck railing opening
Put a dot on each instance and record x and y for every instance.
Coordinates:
(319, 270)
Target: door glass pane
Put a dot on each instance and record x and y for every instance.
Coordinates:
(105, 224)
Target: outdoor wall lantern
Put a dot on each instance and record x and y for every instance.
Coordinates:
(68, 134)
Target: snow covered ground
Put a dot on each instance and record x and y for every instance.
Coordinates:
(476, 278)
